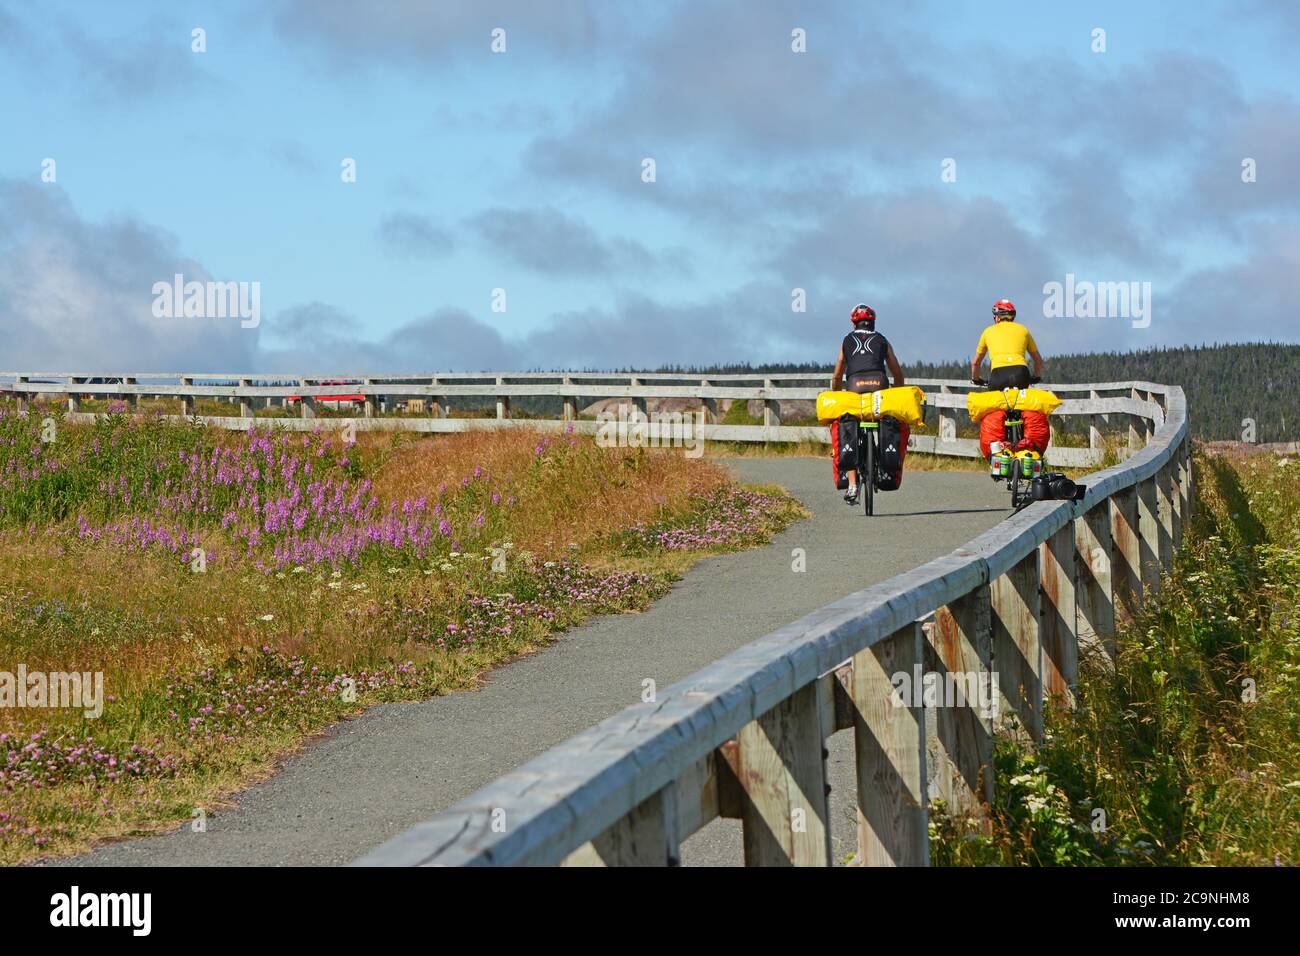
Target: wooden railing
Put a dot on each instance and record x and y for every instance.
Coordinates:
(745, 737)
(1125, 401)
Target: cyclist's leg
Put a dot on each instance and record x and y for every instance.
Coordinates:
(861, 383)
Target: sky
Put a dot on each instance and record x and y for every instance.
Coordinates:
(925, 158)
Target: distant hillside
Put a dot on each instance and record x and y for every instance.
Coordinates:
(1224, 383)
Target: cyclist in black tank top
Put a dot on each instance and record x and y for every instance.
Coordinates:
(865, 355)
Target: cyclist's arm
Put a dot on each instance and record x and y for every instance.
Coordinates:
(895, 369)
(839, 372)
(976, 362)
(1038, 362)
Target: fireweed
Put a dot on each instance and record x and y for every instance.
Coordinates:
(280, 499)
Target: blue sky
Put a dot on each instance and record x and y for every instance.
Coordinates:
(521, 170)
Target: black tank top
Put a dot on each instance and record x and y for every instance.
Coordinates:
(864, 351)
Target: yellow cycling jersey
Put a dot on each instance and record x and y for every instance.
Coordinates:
(1006, 344)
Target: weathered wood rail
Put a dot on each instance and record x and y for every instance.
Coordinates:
(1129, 402)
(744, 737)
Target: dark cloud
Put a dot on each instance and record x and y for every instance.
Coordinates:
(555, 243)
(1252, 299)
(1091, 213)
(294, 156)
(77, 295)
(428, 34)
(149, 60)
(315, 320)
(12, 33)
(415, 236)
(1267, 132)
(447, 340)
(888, 241)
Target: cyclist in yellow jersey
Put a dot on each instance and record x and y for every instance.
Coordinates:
(1006, 342)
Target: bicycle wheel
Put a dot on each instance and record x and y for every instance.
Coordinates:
(867, 482)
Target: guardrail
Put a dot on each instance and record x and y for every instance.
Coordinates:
(1128, 400)
(745, 736)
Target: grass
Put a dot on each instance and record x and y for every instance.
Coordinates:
(240, 592)
(1188, 748)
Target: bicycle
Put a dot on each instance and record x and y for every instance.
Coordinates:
(1016, 468)
(868, 455)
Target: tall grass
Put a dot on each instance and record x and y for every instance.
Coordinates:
(1187, 751)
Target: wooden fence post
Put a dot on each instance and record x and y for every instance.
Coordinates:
(889, 735)
(1017, 644)
(1149, 534)
(245, 402)
(1095, 593)
(306, 403)
(771, 407)
(947, 420)
(638, 401)
(368, 401)
(710, 405)
(1094, 433)
(1059, 617)
(1167, 499)
(503, 401)
(781, 769)
(570, 413)
(1126, 569)
(437, 403)
(1177, 477)
(960, 739)
(187, 401)
(645, 837)
(1139, 429)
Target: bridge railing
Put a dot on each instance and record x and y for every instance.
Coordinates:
(1013, 610)
(1105, 405)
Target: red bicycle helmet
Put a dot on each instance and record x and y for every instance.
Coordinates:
(862, 313)
(1004, 308)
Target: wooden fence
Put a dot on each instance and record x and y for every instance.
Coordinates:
(1118, 402)
(745, 737)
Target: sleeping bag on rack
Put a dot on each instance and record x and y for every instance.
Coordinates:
(1038, 432)
(992, 428)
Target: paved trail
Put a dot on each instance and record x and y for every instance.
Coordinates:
(371, 778)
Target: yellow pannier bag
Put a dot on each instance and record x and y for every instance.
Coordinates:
(907, 404)
(979, 404)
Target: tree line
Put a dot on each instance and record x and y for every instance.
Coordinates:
(1234, 392)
